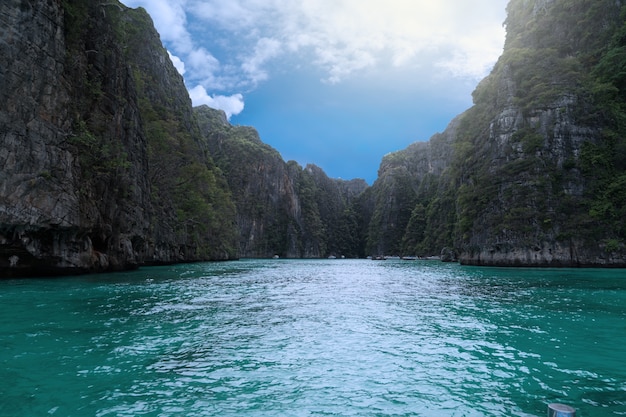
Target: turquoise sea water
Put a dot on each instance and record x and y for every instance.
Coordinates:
(315, 338)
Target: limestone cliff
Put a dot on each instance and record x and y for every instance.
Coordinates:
(411, 187)
(533, 174)
(90, 104)
(104, 165)
(282, 209)
(533, 167)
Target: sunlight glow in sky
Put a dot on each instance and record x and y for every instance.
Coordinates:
(337, 83)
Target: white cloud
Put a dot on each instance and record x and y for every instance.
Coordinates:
(340, 64)
(203, 63)
(232, 105)
(472, 60)
(178, 64)
(236, 43)
(351, 35)
(265, 50)
(231, 14)
(346, 36)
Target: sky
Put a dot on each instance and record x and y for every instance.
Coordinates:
(335, 83)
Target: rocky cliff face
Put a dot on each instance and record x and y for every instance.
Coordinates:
(282, 209)
(81, 188)
(532, 171)
(39, 210)
(410, 201)
(104, 165)
(529, 185)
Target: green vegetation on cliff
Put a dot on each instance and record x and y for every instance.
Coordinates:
(533, 173)
(189, 193)
(121, 171)
(561, 159)
(282, 209)
(137, 141)
(538, 167)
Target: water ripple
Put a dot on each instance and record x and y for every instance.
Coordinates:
(315, 338)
